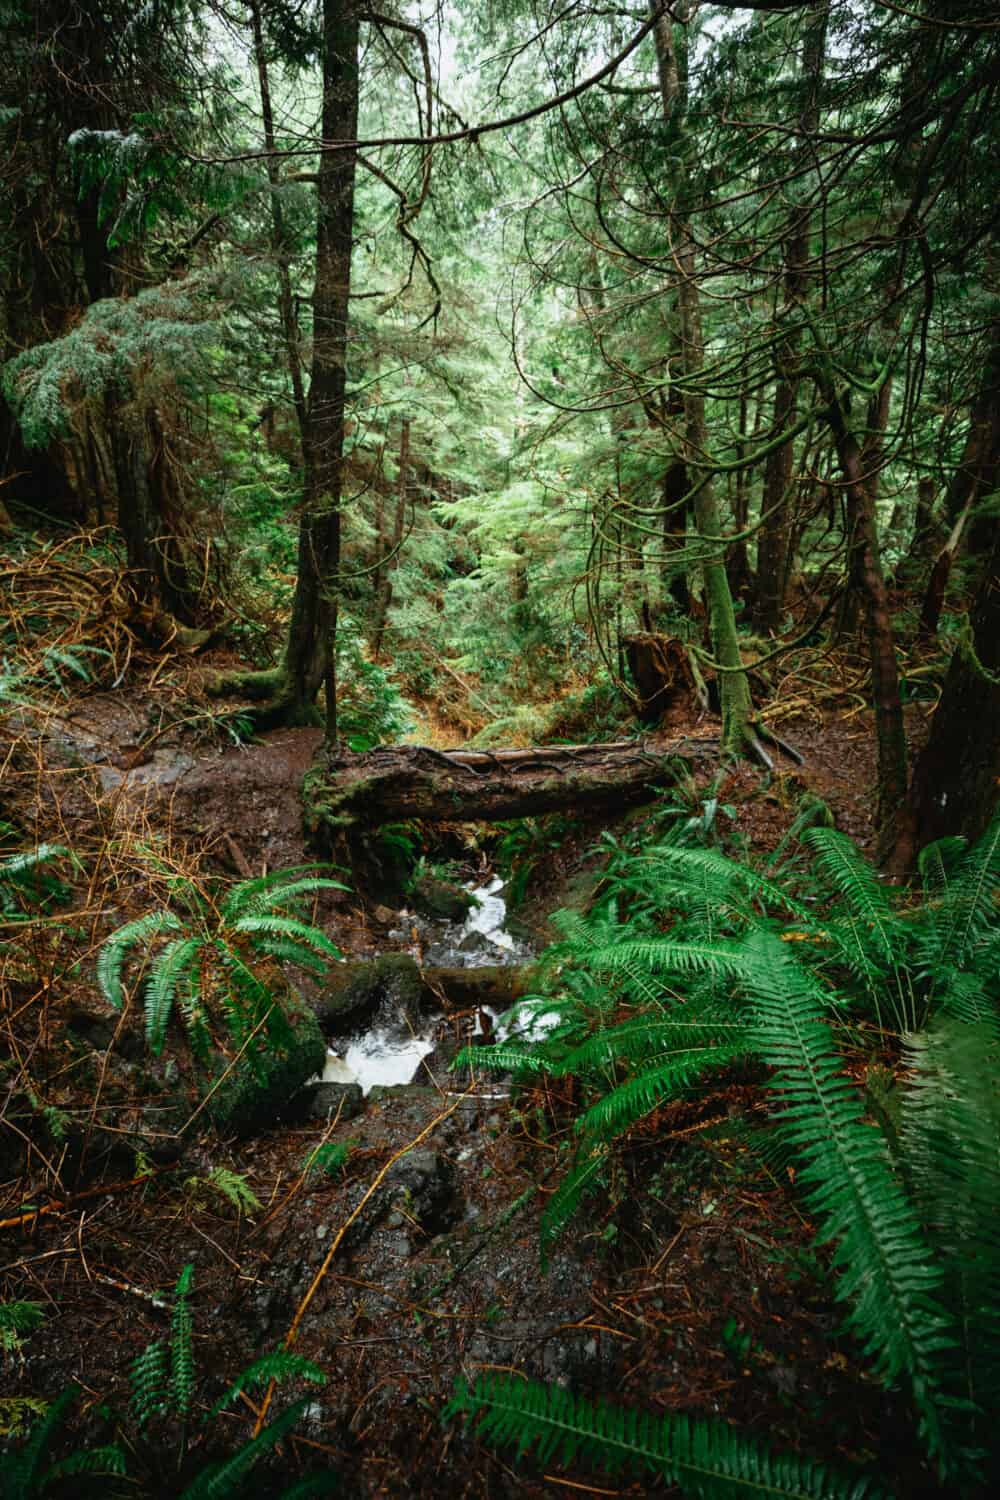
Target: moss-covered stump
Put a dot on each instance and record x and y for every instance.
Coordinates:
(254, 1096)
(352, 793)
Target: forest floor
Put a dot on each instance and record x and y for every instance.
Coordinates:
(702, 1293)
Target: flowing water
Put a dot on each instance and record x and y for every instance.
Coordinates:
(392, 1050)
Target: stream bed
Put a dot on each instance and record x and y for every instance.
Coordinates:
(392, 1050)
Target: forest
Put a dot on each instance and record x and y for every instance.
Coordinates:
(499, 749)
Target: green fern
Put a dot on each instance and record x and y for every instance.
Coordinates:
(224, 1480)
(885, 1271)
(112, 956)
(148, 1387)
(280, 1365)
(182, 1344)
(234, 1187)
(706, 1459)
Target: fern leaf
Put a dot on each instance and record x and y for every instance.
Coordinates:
(182, 1344)
(234, 1187)
(270, 926)
(109, 1459)
(665, 1080)
(968, 910)
(884, 1263)
(114, 952)
(706, 1459)
(19, 865)
(222, 1481)
(170, 965)
(850, 874)
(24, 1472)
(292, 953)
(264, 892)
(279, 1365)
(148, 1383)
(502, 1059)
(950, 1129)
(582, 1179)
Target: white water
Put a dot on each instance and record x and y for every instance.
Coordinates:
(391, 1053)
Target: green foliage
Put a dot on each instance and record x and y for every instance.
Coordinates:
(331, 1157)
(16, 1320)
(705, 1459)
(232, 1186)
(25, 880)
(747, 966)
(213, 961)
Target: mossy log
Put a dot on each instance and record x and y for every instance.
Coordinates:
(355, 993)
(390, 785)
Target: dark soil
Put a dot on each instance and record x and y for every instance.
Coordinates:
(693, 1287)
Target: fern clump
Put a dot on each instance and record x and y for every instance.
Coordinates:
(694, 960)
(217, 964)
(705, 1459)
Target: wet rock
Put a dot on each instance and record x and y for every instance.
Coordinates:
(327, 1098)
(255, 1098)
(422, 1185)
(441, 899)
(355, 993)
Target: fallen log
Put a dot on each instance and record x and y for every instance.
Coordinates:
(394, 983)
(391, 785)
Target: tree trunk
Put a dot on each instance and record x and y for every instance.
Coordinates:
(774, 537)
(957, 775)
(389, 545)
(310, 659)
(734, 690)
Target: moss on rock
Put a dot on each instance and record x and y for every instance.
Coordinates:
(255, 1094)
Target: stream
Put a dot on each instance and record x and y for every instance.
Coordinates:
(391, 1051)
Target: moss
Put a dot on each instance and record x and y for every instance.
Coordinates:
(355, 993)
(441, 898)
(253, 1097)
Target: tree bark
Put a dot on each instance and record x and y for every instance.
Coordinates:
(310, 659)
(957, 776)
(734, 689)
(359, 792)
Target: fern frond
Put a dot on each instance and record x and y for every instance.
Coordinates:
(857, 883)
(169, 967)
(583, 1178)
(936, 863)
(706, 1459)
(271, 926)
(661, 955)
(24, 1470)
(112, 956)
(109, 1459)
(503, 1059)
(647, 1038)
(19, 865)
(182, 1344)
(20, 1317)
(885, 1267)
(264, 892)
(666, 1079)
(279, 1365)
(950, 1130)
(292, 953)
(968, 910)
(725, 877)
(234, 1187)
(148, 1383)
(222, 1481)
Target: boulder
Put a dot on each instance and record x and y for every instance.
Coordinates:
(441, 899)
